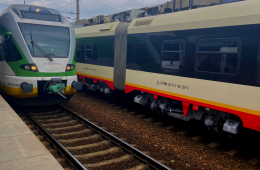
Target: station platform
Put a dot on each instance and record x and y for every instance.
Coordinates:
(20, 149)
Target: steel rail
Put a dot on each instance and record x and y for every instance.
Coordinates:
(57, 144)
(137, 153)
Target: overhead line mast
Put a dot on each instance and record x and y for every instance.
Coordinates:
(78, 10)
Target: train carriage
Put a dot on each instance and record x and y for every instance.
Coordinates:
(37, 49)
(198, 64)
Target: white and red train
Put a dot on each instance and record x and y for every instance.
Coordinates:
(198, 64)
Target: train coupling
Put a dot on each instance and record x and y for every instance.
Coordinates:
(77, 85)
(57, 87)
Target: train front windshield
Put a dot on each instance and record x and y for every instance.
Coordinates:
(53, 40)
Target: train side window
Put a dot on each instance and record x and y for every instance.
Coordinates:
(11, 52)
(173, 52)
(78, 56)
(88, 51)
(218, 55)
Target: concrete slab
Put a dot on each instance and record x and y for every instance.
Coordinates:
(8, 115)
(19, 147)
(13, 128)
(44, 162)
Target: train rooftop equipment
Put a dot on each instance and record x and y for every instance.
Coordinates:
(37, 55)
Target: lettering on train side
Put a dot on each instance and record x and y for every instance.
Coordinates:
(13, 85)
(51, 64)
(89, 69)
(179, 86)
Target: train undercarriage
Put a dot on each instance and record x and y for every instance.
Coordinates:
(216, 121)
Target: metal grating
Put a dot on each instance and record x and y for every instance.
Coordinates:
(143, 23)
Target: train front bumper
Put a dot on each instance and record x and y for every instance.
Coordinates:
(11, 85)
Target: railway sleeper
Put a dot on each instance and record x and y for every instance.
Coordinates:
(89, 146)
(140, 167)
(81, 140)
(122, 159)
(66, 129)
(57, 120)
(50, 116)
(100, 153)
(45, 113)
(73, 134)
(64, 124)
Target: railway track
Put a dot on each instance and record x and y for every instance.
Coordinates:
(84, 145)
(243, 147)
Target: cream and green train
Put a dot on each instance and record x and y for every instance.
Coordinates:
(198, 64)
(37, 49)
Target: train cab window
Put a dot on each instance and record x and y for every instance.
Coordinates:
(88, 51)
(218, 55)
(11, 52)
(78, 56)
(172, 54)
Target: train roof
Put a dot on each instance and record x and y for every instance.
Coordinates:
(97, 30)
(26, 7)
(239, 13)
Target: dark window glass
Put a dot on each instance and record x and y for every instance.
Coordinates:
(41, 16)
(172, 54)
(172, 47)
(88, 51)
(156, 10)
(55, 41)
(78, 56)
(11, 52)
(150, 11)
(39, 9)
(221, 56)
(211, 46)
(89, 54)
(89, 47)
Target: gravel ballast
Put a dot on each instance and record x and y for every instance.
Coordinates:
(178, 152)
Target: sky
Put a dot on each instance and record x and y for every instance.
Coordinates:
(88, 8)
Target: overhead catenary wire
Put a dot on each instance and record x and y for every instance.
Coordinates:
(67, 5)
(107, 5)
(43, 1)
(115, 4)
(94, 0)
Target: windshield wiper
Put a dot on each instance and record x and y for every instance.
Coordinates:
(39, 48)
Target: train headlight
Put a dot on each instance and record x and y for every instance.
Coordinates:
(29, 67)
(70, 67)
(33, 68)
